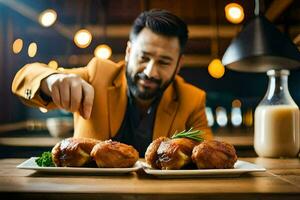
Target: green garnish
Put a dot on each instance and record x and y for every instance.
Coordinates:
(45, 160)
(191, 134)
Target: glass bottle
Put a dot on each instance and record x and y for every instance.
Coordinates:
(276, 125)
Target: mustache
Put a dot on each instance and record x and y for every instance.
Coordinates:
(145, 77)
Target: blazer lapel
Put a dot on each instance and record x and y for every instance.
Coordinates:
(117, 103)
(165, 113)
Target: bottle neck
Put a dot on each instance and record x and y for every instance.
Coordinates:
(278, 92)
(278, 86)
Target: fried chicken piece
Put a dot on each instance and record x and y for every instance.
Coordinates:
(165, 153)
(73, 152)
(214, 155)
(114, 154)
(151, 156)
(175, 153)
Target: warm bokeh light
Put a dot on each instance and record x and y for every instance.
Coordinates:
(236, 103)
(47, 17)
(216, 69)
(248, 118)
(32, 49)
(83, 38)
(17, 46)
(103, 51)
(53, 64)
(234, 13)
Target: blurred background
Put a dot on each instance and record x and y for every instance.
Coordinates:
(68, 33)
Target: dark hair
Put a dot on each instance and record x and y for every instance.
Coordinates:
(162, 22)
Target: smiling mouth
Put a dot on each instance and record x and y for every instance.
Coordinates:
(148, 84)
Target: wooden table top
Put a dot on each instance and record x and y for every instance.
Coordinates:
(281, 180)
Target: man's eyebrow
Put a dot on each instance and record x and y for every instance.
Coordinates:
(146, 53)
(163, 57)
(166, 58)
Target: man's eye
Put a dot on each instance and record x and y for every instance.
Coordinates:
(144, 58)
(161, 62)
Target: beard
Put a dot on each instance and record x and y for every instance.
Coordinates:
(146, 93)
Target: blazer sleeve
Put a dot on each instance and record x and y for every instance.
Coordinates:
(28, 79)
(198, 118)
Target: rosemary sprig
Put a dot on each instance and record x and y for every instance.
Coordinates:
(191, 134)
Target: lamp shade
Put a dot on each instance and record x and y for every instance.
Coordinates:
(260, 46)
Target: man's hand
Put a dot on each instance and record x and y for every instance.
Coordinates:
(69, 92)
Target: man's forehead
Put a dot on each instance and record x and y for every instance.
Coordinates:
(147, 36)
(148, 39)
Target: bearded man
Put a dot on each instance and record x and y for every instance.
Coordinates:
(133, 101)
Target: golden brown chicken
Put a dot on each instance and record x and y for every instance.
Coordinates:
(73, 152)
(151, 156)
(164, 153)
(114, 154)
(214, 155)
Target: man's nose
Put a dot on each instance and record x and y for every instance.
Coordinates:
(151, 70)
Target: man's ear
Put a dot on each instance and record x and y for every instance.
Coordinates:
(180, 63)
(128, 49)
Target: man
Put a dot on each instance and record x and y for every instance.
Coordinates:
(133, 101)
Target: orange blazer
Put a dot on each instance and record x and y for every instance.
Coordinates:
(182, 105)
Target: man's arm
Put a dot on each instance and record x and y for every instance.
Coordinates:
(66, 88)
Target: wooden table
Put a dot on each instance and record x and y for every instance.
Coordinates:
(281, 180)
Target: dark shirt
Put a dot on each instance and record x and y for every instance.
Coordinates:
(136, 128)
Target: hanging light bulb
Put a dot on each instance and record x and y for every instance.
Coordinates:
(83, 38)
(103, 51)
(17, 46)
(32, 49)
(47, 17)
(216, 69)
(234, 13)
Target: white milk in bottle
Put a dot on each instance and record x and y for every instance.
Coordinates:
(277, 131)
(276, 120)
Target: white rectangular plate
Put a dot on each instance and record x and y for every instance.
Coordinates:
(31, 165)
(240, 167)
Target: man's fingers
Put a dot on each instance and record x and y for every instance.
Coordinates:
(64, 90)
(88, 99)
(76, 96)
(70, 92)
(55, 95)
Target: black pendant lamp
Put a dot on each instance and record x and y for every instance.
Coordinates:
(260, 46)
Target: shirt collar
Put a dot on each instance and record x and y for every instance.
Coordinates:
(153, 106)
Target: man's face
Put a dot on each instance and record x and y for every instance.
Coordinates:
(151, 63)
